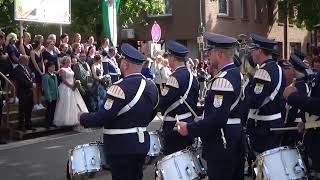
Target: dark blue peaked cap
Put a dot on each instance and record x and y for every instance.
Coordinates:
(219, 41)
(262, 42)
(299, 54)
(132, 54)
(297, 62)
(176, 49)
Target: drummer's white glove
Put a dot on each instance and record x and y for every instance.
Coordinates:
(301, 127)
(182, 128)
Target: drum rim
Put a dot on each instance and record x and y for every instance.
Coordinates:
(175, 154)
(153, 132)
(274, 150)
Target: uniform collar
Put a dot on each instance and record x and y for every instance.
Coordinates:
(227, 66)
(180, 67)
(266, 62)
(133, 75)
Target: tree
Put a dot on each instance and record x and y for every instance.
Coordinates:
(86, 15)
(305, 12)
(7, 21)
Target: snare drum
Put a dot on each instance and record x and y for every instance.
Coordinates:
(155, 144)
(281, 163)
(86, 158)
(182, 165)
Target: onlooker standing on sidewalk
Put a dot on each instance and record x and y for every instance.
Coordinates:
(37, 66)
(165, 72)
(23, 78)
(25, 46)
(51, 93)
(156, 69)
(146, 69)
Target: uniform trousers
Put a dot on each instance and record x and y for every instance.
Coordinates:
(312, 143)
(25, 110)
(172, 140)
(126, 167)
(261, 138)
(51, 107)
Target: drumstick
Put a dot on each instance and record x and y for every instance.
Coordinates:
(284, 129)
(177, 119)
(288, 107)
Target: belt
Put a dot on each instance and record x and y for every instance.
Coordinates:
(254, 116)
(234, 121)
(298, 120)
(180, 117)
(124, 131)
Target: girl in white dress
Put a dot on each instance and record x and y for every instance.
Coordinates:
(70, 102)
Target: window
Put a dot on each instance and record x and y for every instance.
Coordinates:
(244, 14)
(166, 9)
(258, 10)
(224, 7)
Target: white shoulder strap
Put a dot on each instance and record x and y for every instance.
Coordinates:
(184, 97)
(134, 101)
(240, 94)
(275, 92)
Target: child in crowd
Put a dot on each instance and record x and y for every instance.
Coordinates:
(51, 93)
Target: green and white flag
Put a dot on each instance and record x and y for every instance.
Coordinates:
(109, 15)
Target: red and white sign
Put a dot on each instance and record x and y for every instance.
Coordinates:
(156, 32)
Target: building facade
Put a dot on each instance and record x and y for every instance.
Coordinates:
(182, 22)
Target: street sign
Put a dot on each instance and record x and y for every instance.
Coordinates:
(200, 39)
(156, 32)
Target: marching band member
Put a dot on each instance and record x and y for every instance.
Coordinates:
(181, 86)
(294, 115)
(129, 108)
(265, 97)
(221, 129)
(312, 115)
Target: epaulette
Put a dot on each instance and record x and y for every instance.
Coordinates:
(263, 75)
(172, 82)
(116, 91)
(221, 84)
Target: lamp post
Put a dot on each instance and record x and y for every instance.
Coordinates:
(200, 31)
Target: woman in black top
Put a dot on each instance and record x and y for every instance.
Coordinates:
(38, 69)
(49, 54)
(25, 46)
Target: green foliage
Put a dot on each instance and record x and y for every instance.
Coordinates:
(304, 13)
(307, 13)
(86, 15)
(132, 11)
(7, 21)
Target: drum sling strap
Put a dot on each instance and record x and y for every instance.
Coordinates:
(181, 100)
(274, 93)
(134, 101)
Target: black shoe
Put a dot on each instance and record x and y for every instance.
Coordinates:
(30, 128)
(3, 141)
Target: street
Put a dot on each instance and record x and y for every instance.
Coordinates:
(45, 158)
